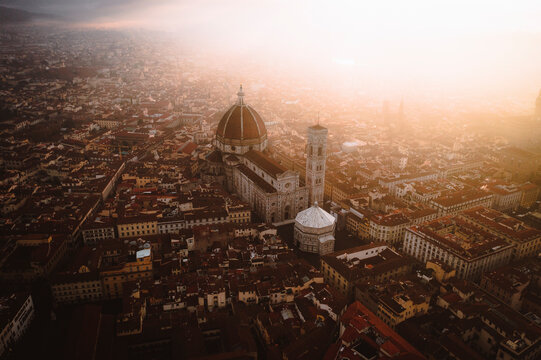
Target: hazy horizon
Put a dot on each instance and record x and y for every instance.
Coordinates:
(481, 49)
(270, 179)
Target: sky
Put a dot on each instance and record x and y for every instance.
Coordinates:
(476, 47)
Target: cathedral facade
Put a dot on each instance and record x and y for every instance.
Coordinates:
(241, 163)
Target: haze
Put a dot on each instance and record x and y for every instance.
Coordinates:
(234, 179)
(484, 49)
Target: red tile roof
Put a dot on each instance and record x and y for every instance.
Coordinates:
(241, 122)
(357, 319)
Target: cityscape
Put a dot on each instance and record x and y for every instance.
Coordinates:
(176, 189)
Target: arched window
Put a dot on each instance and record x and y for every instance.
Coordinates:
(287, 212)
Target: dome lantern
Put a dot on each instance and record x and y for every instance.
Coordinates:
(240, 94)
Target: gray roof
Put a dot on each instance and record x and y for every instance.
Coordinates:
(315, 217)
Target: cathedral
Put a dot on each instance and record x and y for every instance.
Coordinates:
(241, 163)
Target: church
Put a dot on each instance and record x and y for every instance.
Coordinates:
(240, 161)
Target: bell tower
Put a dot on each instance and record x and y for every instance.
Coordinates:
(316, 154)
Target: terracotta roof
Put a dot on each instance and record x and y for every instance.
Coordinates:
(256, 179)
(318, 127)
(189, 147)
(131, 135)
(396, 346)
(265, 163)
(460, 197)
(502, 224)
(241, 122)
(215, 157)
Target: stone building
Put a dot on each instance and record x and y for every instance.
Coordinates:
(314, 230)
(240, 161)
(468, 249)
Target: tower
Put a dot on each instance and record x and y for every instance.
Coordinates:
(316, 154)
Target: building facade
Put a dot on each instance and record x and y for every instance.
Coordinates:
(342, 269)
(17, 313)
(95, 232)
(123, 269)
(468, 250)
(453, 203)
(274, 192)
(137, 226)
(388, 228)
(77, 288)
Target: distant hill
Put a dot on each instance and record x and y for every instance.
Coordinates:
(10, 15)
(69, 10)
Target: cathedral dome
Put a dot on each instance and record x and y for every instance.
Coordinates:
(241, 129)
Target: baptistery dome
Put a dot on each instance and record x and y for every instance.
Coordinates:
(314, 230)
(315, 219)
(241, 129)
